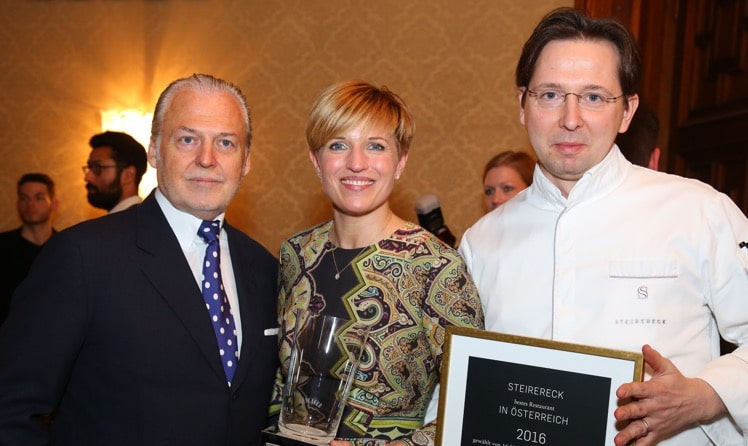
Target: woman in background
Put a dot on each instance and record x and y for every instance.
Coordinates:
(371, 265)
(506, 175)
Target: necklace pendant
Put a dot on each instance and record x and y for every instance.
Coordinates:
(337, 276)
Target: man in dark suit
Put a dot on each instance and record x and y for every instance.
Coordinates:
(110, 330)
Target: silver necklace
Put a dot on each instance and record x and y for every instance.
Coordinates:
(339, 271)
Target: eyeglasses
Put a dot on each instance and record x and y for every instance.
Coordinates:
(553, 99)
(97, 168)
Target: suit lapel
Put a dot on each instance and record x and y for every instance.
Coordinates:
(246, 289)
(172, 279)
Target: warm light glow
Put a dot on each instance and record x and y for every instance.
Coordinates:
(137, 124)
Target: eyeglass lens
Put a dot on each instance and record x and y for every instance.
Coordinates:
(96, 169)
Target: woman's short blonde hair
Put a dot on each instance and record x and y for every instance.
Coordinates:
(345, 105)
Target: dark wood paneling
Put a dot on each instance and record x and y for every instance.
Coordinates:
(695, 75)
(709, 135)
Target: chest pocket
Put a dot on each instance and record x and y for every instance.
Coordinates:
(643, 269)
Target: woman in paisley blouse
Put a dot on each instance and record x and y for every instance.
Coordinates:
(370, 265)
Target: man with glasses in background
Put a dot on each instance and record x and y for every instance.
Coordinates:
(600, 252)
(113, 172)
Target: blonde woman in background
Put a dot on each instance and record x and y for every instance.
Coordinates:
(506, 175)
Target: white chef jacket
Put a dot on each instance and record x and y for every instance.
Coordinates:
(631, 257)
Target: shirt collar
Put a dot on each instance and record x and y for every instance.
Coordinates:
(184, 225)
(126, 203)
(598, 181)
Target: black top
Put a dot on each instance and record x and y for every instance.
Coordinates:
(19, 254)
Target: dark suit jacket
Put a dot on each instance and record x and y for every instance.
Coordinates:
(110, 329)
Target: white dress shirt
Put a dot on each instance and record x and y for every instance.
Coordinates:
(632, 257)
(126, 203)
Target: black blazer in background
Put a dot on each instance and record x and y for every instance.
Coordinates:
(111, 324)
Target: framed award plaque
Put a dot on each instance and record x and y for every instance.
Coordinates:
(499, 389)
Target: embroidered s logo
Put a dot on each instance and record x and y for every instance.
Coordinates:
(642, 292)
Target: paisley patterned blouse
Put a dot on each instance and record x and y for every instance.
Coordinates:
(407, 288)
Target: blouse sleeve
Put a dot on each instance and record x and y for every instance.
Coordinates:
(287, 271)
(450, 298)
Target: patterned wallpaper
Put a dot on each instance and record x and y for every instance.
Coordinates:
(63, 61)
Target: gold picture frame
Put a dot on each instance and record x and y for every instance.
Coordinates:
(499, 389)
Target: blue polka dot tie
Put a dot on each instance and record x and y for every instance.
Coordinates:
(216, 300)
